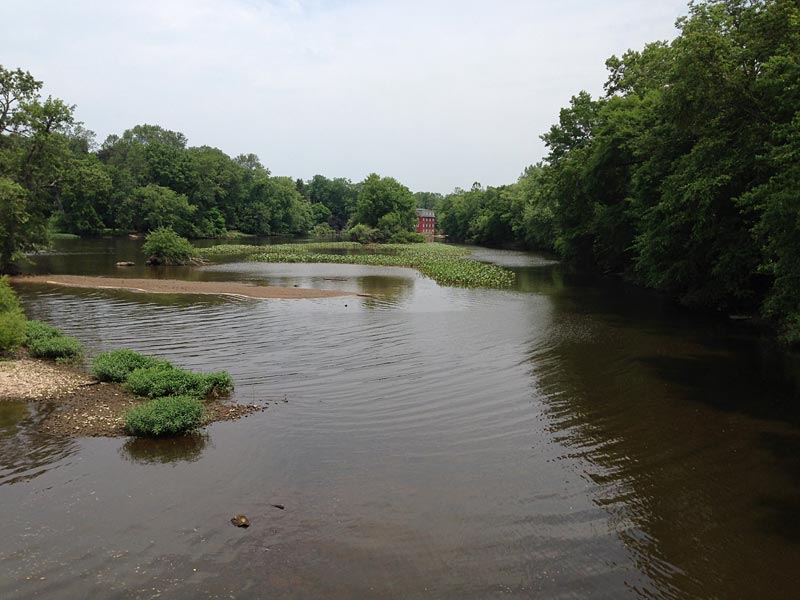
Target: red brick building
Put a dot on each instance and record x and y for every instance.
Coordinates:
(426, 223)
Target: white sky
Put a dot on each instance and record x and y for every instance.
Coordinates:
(435, 93)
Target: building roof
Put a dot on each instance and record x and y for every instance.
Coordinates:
(424, 212)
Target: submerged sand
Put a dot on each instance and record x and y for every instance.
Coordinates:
(173, 286)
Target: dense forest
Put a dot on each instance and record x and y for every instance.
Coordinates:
(55, 178)
(683, 177)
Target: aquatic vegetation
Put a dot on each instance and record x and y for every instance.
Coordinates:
(244, 249)
(154, 382)
(447, 265)
(118, 364)
(172, 415)
(12, 319)
(44, 341)
(233, 234)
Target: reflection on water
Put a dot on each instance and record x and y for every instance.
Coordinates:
(11, 415)
(569, 438)
(25, 452)
(187, 448)
(669, 418)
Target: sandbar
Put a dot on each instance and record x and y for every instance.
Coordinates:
(174, 286)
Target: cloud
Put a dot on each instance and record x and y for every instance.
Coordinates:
(435, 93)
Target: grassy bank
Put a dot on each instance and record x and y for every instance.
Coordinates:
(447, 265)
(41, 340)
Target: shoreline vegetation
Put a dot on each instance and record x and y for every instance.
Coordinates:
(446, 265)
(76, 404)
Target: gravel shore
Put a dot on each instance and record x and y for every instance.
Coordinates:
(85, 407)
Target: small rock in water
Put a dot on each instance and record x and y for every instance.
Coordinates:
(240, 521)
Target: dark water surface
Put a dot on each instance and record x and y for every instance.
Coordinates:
(566, 439)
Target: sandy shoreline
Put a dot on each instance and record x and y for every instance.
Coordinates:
(173, 286)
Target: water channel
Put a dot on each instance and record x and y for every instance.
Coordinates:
(568, 438)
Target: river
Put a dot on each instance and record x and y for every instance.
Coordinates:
(568, 438)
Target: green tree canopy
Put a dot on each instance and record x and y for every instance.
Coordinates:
(383, 201)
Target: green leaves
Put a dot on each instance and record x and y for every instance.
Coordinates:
(386, 204)
(44, 341)
(176, 405)
(165, 247)
(19, 231)
(116, 365)
(173, 415)
(12, 319)
(159, 381)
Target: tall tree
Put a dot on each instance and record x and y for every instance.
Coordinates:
(385, 203)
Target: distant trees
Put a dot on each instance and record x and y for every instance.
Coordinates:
(481, 215)
(51, 174)
(199, 191)
(338, 196)
(385, 204)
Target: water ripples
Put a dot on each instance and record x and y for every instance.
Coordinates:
(469, 443)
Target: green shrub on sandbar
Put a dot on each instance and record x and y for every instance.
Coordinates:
(154, 382)
(118, 364)
(12, 319)
(165, 416)
(165, 247)
(44, 341)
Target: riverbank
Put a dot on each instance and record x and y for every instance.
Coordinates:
(83, 406)
(172, 286)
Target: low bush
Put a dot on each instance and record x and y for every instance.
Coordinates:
(165, 247)
(153, 382)
(363, 234)
(165, 416)
(322, 230)
(406, 237)
(12, 331)
(12, 319)
(44, 341)
(118, 364)
(8, 299)
(36, 330)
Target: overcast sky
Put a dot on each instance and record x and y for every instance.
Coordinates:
(438, 94)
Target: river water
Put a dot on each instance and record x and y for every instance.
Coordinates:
(569, 438)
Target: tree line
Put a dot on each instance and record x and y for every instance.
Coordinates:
(54, 177)
(684, 176)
